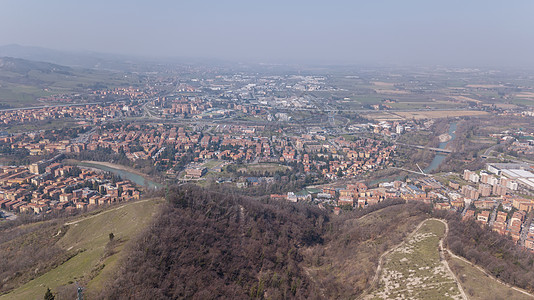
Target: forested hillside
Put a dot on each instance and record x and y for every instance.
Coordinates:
(213, 245)
(29, 250)
(496, 253)
(208, 244)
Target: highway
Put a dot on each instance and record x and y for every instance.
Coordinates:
(51, 106)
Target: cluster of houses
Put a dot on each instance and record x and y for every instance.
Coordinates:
(488, 185)
(45, 186)
(522, 142)
(506, 215)
(358, 195)
(184, 107)
(38, 145)
(91, 112)
(166, 145)
(350, 158)
(131, 93)
(495, 201)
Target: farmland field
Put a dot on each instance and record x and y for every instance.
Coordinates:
(424, 114)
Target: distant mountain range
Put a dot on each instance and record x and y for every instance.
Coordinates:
(23, 81)
(127, 63)
(23, 66)
(82, 59)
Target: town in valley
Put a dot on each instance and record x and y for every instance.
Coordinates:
(342, 142)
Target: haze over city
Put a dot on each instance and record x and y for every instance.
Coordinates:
(459, 33)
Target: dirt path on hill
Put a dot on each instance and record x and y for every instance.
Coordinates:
(105, 212)
(444, 259)
(441, 253)
(381, 260)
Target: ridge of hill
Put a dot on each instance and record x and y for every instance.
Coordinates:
(22, 66)
(79, 59)
(208, 244)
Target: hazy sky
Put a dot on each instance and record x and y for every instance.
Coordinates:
(465, 32)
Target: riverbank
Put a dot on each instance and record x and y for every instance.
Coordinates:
(445, 139)
(123, 171)
(115, 166)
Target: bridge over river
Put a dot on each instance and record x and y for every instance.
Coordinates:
(441, 150)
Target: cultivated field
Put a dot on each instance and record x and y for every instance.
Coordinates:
(440, 114)
(415, 270)
(425, 114)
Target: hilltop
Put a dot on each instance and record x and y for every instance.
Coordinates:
(207, 244)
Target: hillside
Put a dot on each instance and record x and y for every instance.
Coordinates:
(206, 244)
(23, 81)
(416, 269)
(22, 67)
(60, 252)
(479, 286)
(212, 244)
(78, 59)
(344, 266)
(495, 253)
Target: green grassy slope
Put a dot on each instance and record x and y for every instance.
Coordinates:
(89, 237)
(478, 285)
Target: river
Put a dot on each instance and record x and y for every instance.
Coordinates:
(438, 159)
(124, 174)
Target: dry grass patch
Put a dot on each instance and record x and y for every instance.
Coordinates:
(414, 270)
(478, 285)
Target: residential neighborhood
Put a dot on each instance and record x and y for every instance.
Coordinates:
(45, 187)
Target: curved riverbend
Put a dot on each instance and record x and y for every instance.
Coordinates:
(124, 172)
(438, 159)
